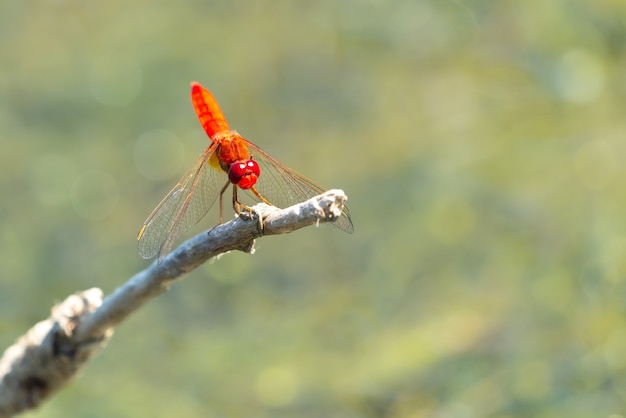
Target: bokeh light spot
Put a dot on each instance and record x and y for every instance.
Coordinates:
(277, 386)
(94, 194)
(159, 155)
(581, 77)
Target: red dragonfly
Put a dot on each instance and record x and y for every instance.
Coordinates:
(229, 159)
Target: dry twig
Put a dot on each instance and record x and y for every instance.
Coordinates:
(54, 350)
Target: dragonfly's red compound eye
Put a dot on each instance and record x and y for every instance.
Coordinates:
(244, 174)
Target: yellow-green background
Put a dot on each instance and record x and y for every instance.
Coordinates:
(481, 144)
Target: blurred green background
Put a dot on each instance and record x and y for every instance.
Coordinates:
(479, 144)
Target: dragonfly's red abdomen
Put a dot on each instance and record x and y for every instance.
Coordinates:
(208, 111)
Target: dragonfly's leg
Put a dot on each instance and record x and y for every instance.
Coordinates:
(251, 211)
(260, 196)
(236, 204)
(221, 194)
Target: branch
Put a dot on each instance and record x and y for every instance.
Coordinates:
(54, 350)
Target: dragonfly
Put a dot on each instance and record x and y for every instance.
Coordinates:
(230, 160)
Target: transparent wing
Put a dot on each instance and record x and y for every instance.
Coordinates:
(183, 207)
(284, 187)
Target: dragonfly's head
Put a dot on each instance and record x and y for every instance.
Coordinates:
(244, 173)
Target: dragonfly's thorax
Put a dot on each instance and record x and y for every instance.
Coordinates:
(235, 160)
(232, 149)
